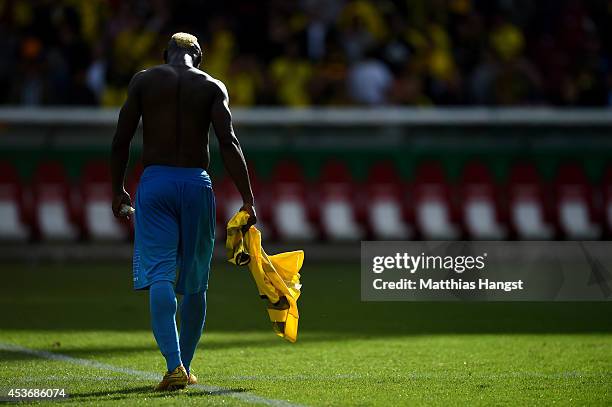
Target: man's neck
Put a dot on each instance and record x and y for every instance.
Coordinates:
(181, 60)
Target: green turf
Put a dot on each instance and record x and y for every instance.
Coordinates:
(348, 353)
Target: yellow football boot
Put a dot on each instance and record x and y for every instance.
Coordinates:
(175, 380)
(193, 379)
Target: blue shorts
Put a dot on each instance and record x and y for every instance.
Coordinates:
(174, 228)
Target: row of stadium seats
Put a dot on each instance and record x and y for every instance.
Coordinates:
(385, 207)
(335, 208)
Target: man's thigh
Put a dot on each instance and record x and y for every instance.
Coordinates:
(156, 230)
(197, 238)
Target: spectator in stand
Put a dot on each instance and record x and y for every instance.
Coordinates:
(451, 52)
(369, 81)
(291, 76)
(246, 79)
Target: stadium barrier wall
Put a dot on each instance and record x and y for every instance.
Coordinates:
(497, 137)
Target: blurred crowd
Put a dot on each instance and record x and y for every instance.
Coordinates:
(316, 52)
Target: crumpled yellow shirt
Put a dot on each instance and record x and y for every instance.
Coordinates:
(277, 276)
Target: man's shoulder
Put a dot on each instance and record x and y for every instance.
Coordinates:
(146, 74)
(213, 82)
(157, 72)
(205, 76)
(152, 71)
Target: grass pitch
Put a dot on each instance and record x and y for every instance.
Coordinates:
(348, 352)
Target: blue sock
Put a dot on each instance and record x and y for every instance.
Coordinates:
(163, 321)
(193, 315)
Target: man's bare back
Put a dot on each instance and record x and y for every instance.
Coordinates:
(177, 103)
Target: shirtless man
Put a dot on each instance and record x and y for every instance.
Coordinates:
(174, 217)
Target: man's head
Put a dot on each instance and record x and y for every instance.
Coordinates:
(184, 43)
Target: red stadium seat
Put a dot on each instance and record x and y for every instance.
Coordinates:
(480, 203)
(527, 204)
(133, 179)
(386, 203)
(574, 198)
(228, 202)
(290, 206)
(96, 191)
(434, 209)
(337, 209)
(132, 186)
(607, 196)
(12, 211)
(55, 214)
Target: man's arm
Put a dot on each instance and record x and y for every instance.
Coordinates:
(129, 116)
(231, 153)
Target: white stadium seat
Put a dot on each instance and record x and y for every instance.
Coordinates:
(433, 218)
(480, 220)
(386, 220)
(529, 221)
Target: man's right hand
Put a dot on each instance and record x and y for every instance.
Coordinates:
(250, 209)
(122, 198)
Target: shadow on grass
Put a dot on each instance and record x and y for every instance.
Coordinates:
(348, 317)
(6, 356)
(237, 342)
(225, 392)
(89, 297)
(149, 391)
(116, 394)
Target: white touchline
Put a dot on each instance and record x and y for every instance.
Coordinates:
(243, 396)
